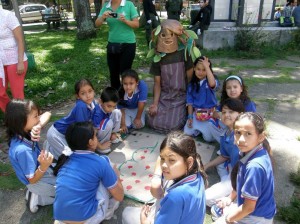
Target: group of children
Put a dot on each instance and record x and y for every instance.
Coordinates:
(86, 188)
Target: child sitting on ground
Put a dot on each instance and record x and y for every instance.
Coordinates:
(85, 109)
(201, 99)
(31, 164)
(184, 200)
(233, 87)
(85, 180)
(229, 153)
(255, 181)
(133, 97)
(110, 120)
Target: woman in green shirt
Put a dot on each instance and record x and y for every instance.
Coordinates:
(121, 17)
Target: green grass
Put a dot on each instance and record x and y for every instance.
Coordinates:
(8, 178)
(290, 214)
(60, 57)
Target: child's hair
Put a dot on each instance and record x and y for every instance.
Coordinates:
(244, 94)
(77, 135)
(109, 94)
(81, 83)
(258, 122)
(185, 146)
(16, 117)
(195, 80)
(233, 104)
(128, 73)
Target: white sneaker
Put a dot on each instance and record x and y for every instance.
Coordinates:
(33, 202)
(105, 151)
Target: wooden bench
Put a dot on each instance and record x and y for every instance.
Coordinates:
(56, 19)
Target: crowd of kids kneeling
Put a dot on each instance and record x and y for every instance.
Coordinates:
(85, 187)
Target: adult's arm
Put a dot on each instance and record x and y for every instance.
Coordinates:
(18, 35)
(100, 20)
(156, 95)
(134, 23)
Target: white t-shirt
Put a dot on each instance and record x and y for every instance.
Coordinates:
(8, 43)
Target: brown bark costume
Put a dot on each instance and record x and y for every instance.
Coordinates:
(172, 67)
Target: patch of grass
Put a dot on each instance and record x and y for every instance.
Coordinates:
(46, 218)
(60, 57)
(8, 178)
(290, 214)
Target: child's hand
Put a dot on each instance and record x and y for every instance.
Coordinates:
(223, 202)
(45, 159)
(124, 129)
(205, 63)
(152, 110)
(137, 123)
(144, 214)
(190, 122)
(35, 133)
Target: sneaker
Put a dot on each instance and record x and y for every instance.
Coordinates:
(216, 212)
(105, 151)
(32, 202)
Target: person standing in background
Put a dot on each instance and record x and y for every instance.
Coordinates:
(13, 60)
(174, 8)
(150, 18)
(121, 17)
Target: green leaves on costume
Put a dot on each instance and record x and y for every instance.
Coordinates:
(157, 31)
(151, 53)
(186, 41)
(192, 34)
(156, 58)
(196, 52)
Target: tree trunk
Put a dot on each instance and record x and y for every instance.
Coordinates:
(85, 25)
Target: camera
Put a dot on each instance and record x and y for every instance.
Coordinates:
(113, 14)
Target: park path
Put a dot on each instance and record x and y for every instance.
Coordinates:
(279, 102)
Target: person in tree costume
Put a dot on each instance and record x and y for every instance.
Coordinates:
(173, 50)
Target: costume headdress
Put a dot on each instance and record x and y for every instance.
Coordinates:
(170, 37)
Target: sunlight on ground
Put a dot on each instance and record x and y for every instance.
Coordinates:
(64, 46)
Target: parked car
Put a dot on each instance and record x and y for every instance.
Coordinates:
(31, 12)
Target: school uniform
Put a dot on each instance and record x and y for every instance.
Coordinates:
(184, 202)
(223, 188)
(109, 123)
(23, 156)
(80, 113)
(130, 104)
(217, 128)
(255, 181)
(77, 187)
(204, 99)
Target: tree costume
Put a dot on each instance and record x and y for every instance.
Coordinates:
(174, 51)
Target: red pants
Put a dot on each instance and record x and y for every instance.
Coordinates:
(16, 83)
